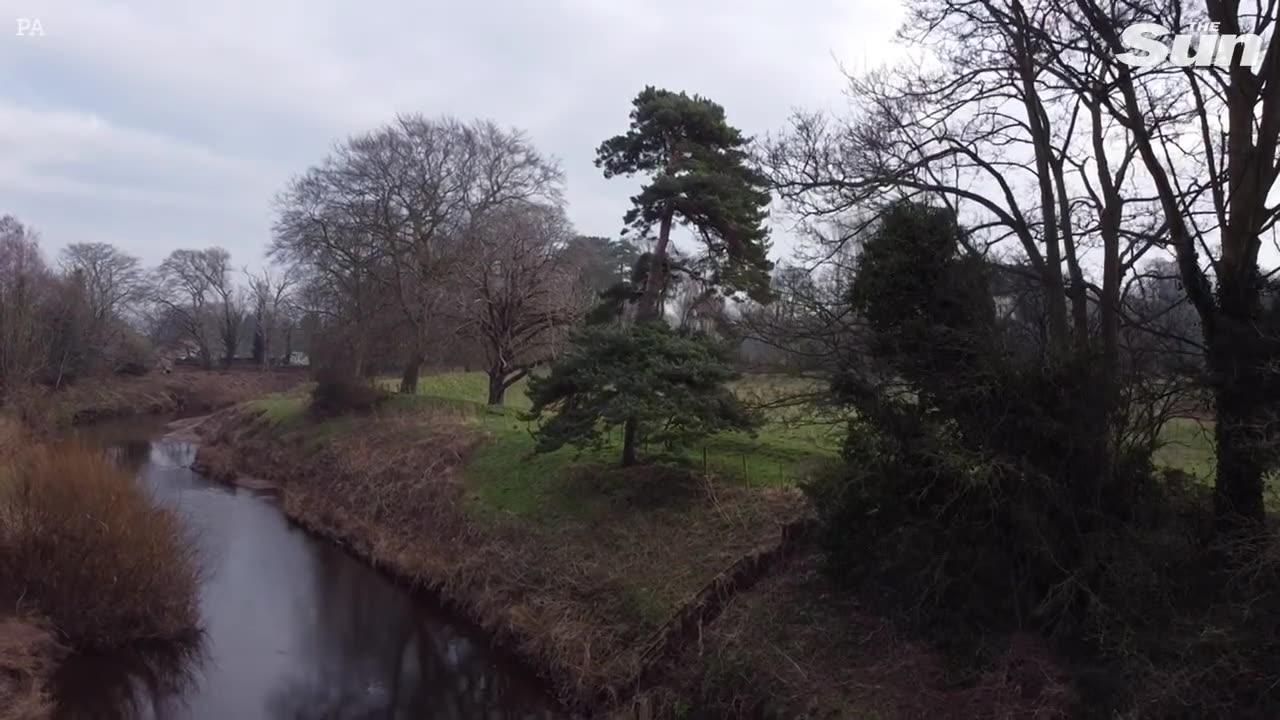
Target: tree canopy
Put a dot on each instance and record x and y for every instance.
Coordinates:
(699, 176)
(671, 384)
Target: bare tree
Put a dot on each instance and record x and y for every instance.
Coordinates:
(516, 294)
(114, 281)
(393, 208)
(271, 293)
(1214, 173)
(25, 282)
(1009, 128)
(196, 290)
(112, 285)
(341, 265)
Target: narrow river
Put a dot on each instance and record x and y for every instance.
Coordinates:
(294, 627)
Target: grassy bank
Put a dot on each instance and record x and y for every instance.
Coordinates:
(87, 561)
(607, 580)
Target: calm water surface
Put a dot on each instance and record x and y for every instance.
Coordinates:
(293, 626)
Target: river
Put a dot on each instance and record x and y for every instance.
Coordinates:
(292, 626)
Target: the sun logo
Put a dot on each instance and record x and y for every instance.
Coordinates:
(1210, 47)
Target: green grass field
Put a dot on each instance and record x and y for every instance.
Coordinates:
(506, 479)
(1188, 446)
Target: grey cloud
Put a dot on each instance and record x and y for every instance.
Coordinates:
(160, 123)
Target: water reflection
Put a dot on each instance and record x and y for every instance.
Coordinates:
(144, 682)
(294, 628)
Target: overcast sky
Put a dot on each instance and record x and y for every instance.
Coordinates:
(158, 124)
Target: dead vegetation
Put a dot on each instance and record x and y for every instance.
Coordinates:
(27, 655)
(84, 546)
(86, 561)
(185, 390)
(335, 394)
(812, 651)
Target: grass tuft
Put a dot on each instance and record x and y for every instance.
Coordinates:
(83, 545)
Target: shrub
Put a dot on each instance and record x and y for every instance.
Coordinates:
(988, 490)
(82, 544)
(133, 355)
(338, 394)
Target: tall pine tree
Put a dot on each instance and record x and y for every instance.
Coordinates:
(699, 177)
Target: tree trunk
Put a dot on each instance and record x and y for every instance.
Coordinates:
(497, 386)
(1051, 268)
(651, 300)
(1239, 356)
(287, 356)
(650, 310)
(1238, 491)
(629, 433)
(409, 379)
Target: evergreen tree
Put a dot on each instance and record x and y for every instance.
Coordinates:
(700, 177)
(671, 385)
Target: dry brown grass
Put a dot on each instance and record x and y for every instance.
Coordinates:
(186, 390)
(84, 545)
(797, 647)
(27, 655)
(14, 437)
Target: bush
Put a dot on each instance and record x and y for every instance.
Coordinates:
(82, 544)
(133, 355)
(337, 394)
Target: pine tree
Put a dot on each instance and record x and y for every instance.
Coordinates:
(672, 384)
(700, 177)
